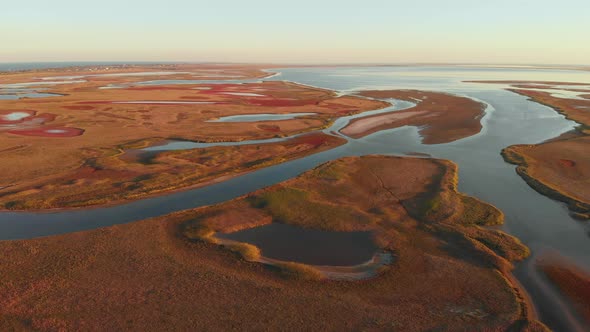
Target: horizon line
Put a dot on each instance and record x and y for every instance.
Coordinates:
(458, 63)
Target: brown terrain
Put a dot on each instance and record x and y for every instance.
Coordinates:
(572, 281)
(56, 148)
(113, 177)
(440, 117)
(448, 272)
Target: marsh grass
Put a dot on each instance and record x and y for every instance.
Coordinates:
(199, 233)
(294, 206)
(247, 251)
(504, 245)
(197, 229)
(479, 213)
(299, 271)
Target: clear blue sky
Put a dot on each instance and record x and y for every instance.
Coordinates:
(318, 31)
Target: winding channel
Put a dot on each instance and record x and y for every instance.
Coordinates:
(539, 222)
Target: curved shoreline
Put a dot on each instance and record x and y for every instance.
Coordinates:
(479, 291)
(579, 208)
(329, 114)
(440, 117)
(363, 271)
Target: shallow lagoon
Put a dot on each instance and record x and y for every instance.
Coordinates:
(309, 246)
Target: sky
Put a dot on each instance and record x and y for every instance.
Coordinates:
(301, 31)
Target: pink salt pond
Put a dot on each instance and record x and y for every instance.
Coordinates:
(49, 132)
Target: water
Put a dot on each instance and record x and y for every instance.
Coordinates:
(27, 95)
(541, 223)
(309, 246)
(15, 91)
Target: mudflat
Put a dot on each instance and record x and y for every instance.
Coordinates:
(440, 117)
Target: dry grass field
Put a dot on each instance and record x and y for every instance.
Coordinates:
(55, 148)
(447, 272)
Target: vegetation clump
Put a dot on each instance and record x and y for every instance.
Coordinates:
(299, 271)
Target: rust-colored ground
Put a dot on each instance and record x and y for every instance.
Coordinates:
(559, 169)
(448, 273)
(573, 282)
(440, 117)
(88, 124)
(114, 177)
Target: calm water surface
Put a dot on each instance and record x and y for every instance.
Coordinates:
(309, 246)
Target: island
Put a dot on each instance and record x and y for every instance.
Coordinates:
(444, 268)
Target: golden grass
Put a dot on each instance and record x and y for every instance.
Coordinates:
(443, 275)
(39, 175)
(247, 251)
(299, 271)
(114, 180)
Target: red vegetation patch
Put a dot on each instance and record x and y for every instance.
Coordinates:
(79, 108)
(49, 132)
(271, 128)
(281, 102)
(194, 97)
(154, 102)
(333, 106)
(158, 87)
(314, 140)
(567, 162)
(45, 117)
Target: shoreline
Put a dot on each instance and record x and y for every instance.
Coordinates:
(504, 266)
(363, 271)
(205, 183)
(579, 208)
(294, 128)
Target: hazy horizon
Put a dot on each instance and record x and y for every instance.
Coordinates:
(307, 32)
